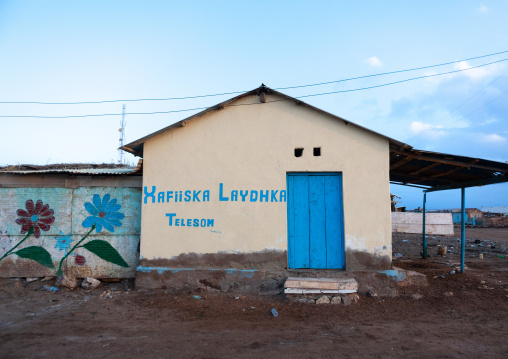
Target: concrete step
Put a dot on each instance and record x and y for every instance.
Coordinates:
(296, 285)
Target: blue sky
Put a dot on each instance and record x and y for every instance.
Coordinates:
(61, 51)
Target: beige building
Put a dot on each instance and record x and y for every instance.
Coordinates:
(264, 182)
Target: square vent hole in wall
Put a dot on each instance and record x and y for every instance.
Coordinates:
(317, 151)
(298, 152)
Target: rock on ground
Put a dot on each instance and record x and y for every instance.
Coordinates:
(323, 300)
(90, 283)
(67, 281)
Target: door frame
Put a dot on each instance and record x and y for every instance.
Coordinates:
(341, 215)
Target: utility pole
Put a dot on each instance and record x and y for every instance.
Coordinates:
(122, 136)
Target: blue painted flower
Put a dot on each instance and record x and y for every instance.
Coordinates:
(63, 242)
(103, 213)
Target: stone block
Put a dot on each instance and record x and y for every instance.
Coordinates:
(336, 300)
(294, 285)
(306, 300)
(90, 283)
(68, 281)
(323, 300)
(349, 284)
(311, 283)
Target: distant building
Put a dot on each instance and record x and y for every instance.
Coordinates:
(473, 215)
(498, 211)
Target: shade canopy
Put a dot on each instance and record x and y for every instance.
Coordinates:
(436, 171)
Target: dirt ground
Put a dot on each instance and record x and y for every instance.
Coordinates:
(458, 315)
(491, 242)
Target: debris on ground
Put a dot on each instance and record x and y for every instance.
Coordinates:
(49, 288)
(67, 281)
(90, 283)
(106, 294)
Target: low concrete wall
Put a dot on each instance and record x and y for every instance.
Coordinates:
(435, 223)
(64, 239)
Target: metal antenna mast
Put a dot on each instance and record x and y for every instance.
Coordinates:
(122, 136)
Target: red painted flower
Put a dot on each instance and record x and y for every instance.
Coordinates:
(80, 260)
(38, 216)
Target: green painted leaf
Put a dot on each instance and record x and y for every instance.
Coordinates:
(105, 251)
(38, 254)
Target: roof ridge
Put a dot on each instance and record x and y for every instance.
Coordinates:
(136, 147)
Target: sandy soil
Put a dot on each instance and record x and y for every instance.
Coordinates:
(459, 315)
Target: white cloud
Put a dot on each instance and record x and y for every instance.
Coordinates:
(374, 62)
(418, 127)
(435, 80)
(489, 121)
(483, 9)
(477, 73)
(492, 138)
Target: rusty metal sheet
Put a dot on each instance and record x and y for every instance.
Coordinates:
(90, 171)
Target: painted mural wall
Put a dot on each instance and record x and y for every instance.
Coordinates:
(87, 231)
(217, 186)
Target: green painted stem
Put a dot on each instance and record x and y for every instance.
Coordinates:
(9, 252)
(59, 271)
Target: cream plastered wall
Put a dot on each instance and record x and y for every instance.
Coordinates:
(252, 148)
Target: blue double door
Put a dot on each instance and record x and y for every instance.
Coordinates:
(315, 221)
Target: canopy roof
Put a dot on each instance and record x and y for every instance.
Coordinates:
(439, 171)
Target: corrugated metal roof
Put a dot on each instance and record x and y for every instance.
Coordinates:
(442, 170)
(81, 171)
